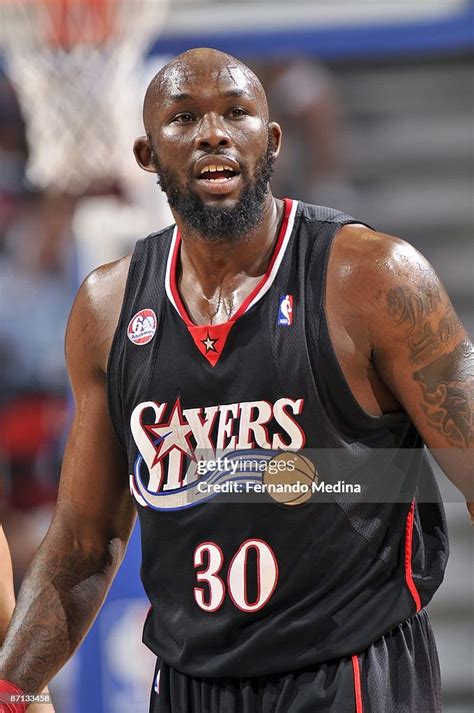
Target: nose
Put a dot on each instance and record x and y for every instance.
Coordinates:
(212, 132)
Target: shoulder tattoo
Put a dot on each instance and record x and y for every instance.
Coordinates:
(426, 330)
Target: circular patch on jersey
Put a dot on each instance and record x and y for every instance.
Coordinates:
(142, 327)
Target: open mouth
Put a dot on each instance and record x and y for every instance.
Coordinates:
(217, 172)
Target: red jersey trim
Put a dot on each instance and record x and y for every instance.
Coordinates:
(258, 291)
(357, 687)
(408, 556)
(210, 339)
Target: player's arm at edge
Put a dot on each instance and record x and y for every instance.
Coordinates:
(7, 602)
(418, 347)
(75, 564)
(7, 596)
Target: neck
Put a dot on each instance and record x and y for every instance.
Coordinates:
(222, 266)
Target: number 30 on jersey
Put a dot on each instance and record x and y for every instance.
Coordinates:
(212, 595)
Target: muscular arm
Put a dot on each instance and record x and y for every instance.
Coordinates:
(403, 323)
(427, 359)
(69, 576)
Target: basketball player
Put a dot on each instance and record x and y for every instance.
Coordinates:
(7, 603)
(253, 327)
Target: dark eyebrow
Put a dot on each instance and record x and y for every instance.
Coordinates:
(237, 93)
(182, 96)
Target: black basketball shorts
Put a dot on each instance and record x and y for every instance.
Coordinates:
(399, 673)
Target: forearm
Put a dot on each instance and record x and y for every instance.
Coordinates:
(457, 465)
(61, 594)
(7, 597)
(5, 616)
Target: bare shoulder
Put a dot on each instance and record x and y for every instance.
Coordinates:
(359, 252)
(373, 274)
(386, 307)
(95, 314)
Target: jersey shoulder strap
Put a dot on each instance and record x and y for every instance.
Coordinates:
(324, 214)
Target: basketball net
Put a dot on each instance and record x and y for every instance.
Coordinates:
(76, 66)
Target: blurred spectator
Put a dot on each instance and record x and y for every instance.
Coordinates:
(35, 297)
(13, 153)
(13, 150)
(35, 294)
(303, 98)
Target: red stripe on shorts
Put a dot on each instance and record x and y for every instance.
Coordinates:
(357, 688)
(408, 555)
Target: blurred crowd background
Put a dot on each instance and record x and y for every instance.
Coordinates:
(386, 136)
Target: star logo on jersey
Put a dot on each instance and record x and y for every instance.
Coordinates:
(209, 344)
(177, 433)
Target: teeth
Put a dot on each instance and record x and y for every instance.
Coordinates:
(216, 167)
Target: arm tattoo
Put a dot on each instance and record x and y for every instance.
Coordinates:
(447, 386)
(58, 601)
(415, 311)
(409, 307)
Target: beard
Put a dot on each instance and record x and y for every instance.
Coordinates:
(215, 223)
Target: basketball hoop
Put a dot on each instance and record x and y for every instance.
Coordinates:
(76, 65)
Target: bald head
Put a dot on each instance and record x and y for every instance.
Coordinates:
(206, 65)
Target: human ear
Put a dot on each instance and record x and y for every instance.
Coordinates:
(275, 137)
(143, 153)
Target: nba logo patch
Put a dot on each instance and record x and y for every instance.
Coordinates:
(142, 327)
(285, 311)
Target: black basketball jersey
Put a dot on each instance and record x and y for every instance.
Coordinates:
(244, 581)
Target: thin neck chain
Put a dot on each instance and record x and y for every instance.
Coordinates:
(228, 306)
(218, 306)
